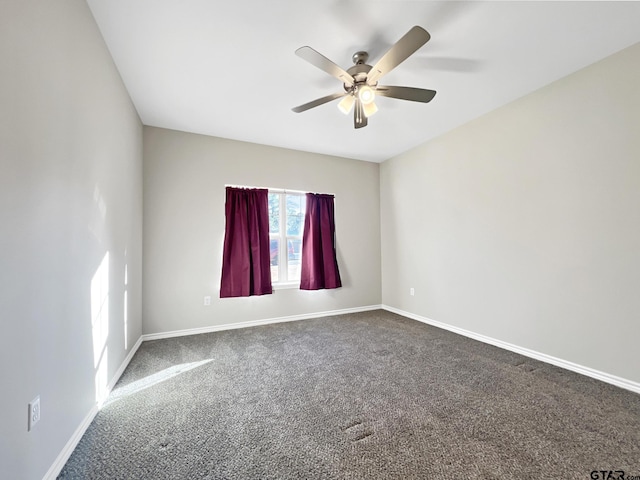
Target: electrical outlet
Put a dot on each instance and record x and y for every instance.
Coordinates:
(412, 291)
(207, 300)
(34, 413)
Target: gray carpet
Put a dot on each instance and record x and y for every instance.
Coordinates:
(363, 396)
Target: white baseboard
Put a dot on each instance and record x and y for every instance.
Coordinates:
(255, 323)
(68, 449)
(123, 366)
(558, 362)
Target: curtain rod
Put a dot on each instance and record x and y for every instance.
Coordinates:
(275, 190)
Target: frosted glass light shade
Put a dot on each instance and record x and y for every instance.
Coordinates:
(346, 103)
(369, 109)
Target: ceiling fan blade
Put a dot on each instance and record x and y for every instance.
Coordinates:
(359, 118)
(317, 102)
(323, 63)
(406, 93)
(398, 53)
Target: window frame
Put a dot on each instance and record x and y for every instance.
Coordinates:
(283, 239)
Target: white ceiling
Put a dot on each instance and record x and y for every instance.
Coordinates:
(228, 68)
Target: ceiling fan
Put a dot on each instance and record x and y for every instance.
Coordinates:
(361, 81)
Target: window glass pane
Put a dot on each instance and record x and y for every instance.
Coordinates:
(295, 214)
(286, 211)
(294, 251)
(274, 244)
(274, 213)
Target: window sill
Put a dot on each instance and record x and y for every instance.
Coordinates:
(285, 286)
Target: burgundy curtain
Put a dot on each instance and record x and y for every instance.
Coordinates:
(319, 267)
(245, 257)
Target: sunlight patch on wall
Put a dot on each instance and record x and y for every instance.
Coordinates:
(100, 326)
(97, 224)
(126, 306)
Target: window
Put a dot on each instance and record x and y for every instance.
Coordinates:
(286, 225)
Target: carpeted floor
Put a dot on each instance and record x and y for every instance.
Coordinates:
(364, 396)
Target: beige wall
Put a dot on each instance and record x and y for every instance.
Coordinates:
(524, 225)
(184, 195)
(70, 191)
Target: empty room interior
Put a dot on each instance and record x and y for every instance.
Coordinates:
(479, 200)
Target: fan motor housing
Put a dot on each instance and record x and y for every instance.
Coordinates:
(359, 72)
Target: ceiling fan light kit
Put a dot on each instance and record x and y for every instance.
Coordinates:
(366, 94)
(369, 109)
(360, 82)
(346, 104)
